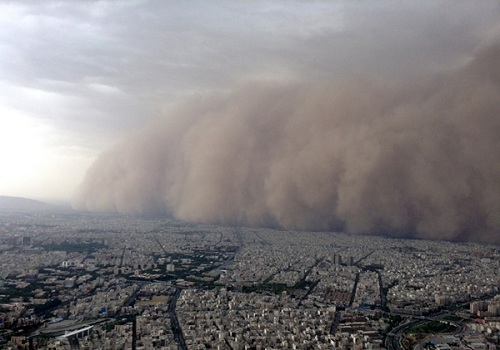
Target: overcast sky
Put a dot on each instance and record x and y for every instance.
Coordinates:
(76, 77)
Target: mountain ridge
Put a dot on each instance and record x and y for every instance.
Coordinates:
(13, 204)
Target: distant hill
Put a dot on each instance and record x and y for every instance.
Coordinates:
(18, 204)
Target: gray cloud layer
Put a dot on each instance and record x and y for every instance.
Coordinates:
(365, 154)
(83, 66)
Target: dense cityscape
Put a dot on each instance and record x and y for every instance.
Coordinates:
(86, 281)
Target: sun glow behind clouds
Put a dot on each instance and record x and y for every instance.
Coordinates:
(26, 157)
(21, 143)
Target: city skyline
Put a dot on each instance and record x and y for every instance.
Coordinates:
(88, 281)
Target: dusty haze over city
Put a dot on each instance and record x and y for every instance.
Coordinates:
(367, 117)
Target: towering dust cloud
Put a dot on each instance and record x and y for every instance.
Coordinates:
(363, 155)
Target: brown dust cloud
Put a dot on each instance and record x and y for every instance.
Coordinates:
(366, 155)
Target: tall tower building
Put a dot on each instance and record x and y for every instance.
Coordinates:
(337, 259)
(26, 241)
